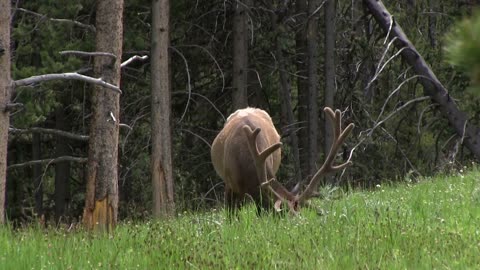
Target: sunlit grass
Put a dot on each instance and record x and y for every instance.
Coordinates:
(431, 224)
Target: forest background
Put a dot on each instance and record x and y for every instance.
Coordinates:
(309, 54)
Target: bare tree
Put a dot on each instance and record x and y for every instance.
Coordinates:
(5, 92)
(101, 200)
(161, 159)
(240, 54)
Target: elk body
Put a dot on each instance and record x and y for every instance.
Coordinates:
(233, 161)
(246, 155)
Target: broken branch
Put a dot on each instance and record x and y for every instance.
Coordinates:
(57, 132)
(65, 76)
(49, 161)
(88, 54)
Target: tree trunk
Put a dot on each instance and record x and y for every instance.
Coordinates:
(312, 103)
(37, 174)
(284, 93)
(62, 169)
(5, 92)
(329, 69)
(431, 85)
(101, 202)
(302, 83)
(240, 54)
(161, 159)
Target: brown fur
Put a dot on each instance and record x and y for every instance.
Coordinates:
(233, 161)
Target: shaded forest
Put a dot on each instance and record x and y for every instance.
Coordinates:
(290, 58)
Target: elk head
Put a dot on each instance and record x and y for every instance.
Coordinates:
(246, 155)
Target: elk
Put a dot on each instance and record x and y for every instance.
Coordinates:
(246, 154)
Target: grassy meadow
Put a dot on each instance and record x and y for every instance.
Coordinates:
(433, 224)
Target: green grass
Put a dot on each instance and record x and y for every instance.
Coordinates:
(432, 224)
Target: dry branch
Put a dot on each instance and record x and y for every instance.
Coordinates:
(49, 161)
(133, 58)
(88, 54)
(43, 16)
(64, 76)
(406, 104)
(431, 85)
(62, 133)
(189, 85)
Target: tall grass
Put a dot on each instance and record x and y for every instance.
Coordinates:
(431, 224)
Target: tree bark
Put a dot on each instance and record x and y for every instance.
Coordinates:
(62, 169)
(312, 103)
(161, 159)
(101, 202)
(240, 55)
(329, 70)
(284, 93)
(302, 84)
(432, 86)
(5, 93)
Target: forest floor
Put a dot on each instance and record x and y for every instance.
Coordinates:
(432, 224)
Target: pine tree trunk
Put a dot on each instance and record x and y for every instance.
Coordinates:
(161, 159)
(240, 55)
(5, 92)
(101, 202)
(312, 103)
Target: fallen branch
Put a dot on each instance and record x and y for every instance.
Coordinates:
(49, 161)
(64, 76)
(57, 132)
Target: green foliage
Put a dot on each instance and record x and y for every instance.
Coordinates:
(463, 47)
(433, 224)
(415, 141)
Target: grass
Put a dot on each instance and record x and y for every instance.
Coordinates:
(431, 224)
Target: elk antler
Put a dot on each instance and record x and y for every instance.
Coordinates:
(260, 159)
(328, 166)
(276, 187)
